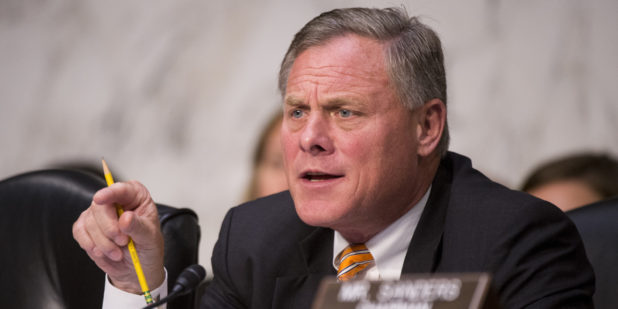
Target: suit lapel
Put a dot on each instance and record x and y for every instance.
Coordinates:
(297, 289)
(317, 250)
(424, 251)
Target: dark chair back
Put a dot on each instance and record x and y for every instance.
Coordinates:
(598, 226)
(44, 267)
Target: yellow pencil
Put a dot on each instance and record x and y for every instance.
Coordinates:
(134, 257)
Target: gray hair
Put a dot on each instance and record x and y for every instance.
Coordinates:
(414, 58)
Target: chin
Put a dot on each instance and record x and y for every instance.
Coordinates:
(316, 213)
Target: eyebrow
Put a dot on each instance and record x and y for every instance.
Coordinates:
(293, 101)
(330, 104)
(339, 102)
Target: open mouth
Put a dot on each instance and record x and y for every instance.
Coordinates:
(317, 176)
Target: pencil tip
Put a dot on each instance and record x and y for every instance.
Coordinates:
(107, 173)
(105, 168)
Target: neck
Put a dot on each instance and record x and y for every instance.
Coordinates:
(428, 167)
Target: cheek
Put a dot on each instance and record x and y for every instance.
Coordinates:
(361, 148)
(380, 155)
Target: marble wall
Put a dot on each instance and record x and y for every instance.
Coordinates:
(173, 93)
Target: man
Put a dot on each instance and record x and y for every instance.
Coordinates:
(365, 142)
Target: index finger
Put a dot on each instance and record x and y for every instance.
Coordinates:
(130, 195)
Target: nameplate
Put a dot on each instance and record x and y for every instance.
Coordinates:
(438, 291)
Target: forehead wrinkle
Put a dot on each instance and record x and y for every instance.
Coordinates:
(302, 94)
(333, 94)
(349, 82)
(329, 93)
(337, 71)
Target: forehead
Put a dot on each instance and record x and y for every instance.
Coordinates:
(348, 61)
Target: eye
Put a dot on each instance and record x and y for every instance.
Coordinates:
(344, 113)
(297, 113)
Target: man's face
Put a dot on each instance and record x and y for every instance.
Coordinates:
(350, 147)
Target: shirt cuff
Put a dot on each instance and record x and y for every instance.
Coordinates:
(115, 298)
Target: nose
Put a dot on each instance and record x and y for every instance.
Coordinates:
(315, 136)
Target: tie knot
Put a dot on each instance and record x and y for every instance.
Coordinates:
(352, 260)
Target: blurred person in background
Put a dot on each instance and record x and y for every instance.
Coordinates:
(574, 180)
(267, 174)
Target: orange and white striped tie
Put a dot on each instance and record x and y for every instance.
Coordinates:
(352, 260)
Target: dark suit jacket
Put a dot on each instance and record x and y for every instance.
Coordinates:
(266, 257)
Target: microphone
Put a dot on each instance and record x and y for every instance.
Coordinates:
(187, 281)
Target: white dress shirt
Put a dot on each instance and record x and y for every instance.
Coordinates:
(115, 298)
(389, 247)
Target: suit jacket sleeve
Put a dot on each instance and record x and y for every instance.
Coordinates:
(221, 292)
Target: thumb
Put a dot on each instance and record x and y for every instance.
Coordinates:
(148, 240)
(144, 230)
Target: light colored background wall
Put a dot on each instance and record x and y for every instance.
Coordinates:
(173, 93)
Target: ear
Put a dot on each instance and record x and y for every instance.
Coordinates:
(431, 121)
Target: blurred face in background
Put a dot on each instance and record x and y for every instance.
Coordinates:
(269, 173)
(566, 194)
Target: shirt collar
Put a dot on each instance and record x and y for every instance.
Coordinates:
(389, 246)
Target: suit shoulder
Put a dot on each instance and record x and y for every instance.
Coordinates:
(478, 204)
(265, 217)
(472, 189)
